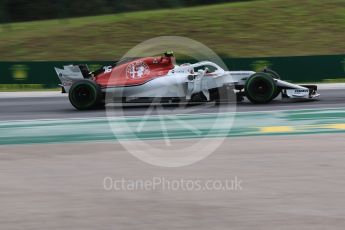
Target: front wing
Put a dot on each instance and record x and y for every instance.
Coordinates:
(290, 90)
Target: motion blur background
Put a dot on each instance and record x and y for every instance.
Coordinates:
(302, 40)
(232, 28)
(23, 10)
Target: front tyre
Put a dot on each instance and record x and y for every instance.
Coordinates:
(275, 75)
(260, 88)
(85, 94)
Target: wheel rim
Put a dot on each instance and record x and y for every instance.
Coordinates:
(83, 94)
(261, 89)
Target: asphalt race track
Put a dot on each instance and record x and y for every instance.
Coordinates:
(58, 106)
(288, 156)
(288, 182)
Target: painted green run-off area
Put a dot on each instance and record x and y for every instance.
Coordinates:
(173, 126)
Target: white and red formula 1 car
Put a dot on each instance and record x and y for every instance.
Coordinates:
(152, 78)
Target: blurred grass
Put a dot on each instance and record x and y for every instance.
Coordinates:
(26, 87)
(247, 29)
(334, 80)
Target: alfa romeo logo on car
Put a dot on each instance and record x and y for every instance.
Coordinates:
(137, 70)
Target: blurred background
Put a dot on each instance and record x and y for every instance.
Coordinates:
(23, 10)
(105, 30)
(37, 35)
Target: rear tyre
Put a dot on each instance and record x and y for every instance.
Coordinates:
(85, 94)
(260, 88)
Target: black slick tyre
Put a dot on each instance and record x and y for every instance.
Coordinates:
(85, 94)
(260, 88)
(275, 75)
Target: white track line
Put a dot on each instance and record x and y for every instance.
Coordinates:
(31, 94)
(331, 86)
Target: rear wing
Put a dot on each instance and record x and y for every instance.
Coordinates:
(68, 75)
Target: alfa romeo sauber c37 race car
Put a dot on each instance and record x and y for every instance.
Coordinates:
(161, 79)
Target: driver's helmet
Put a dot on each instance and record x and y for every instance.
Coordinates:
(169, 53)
